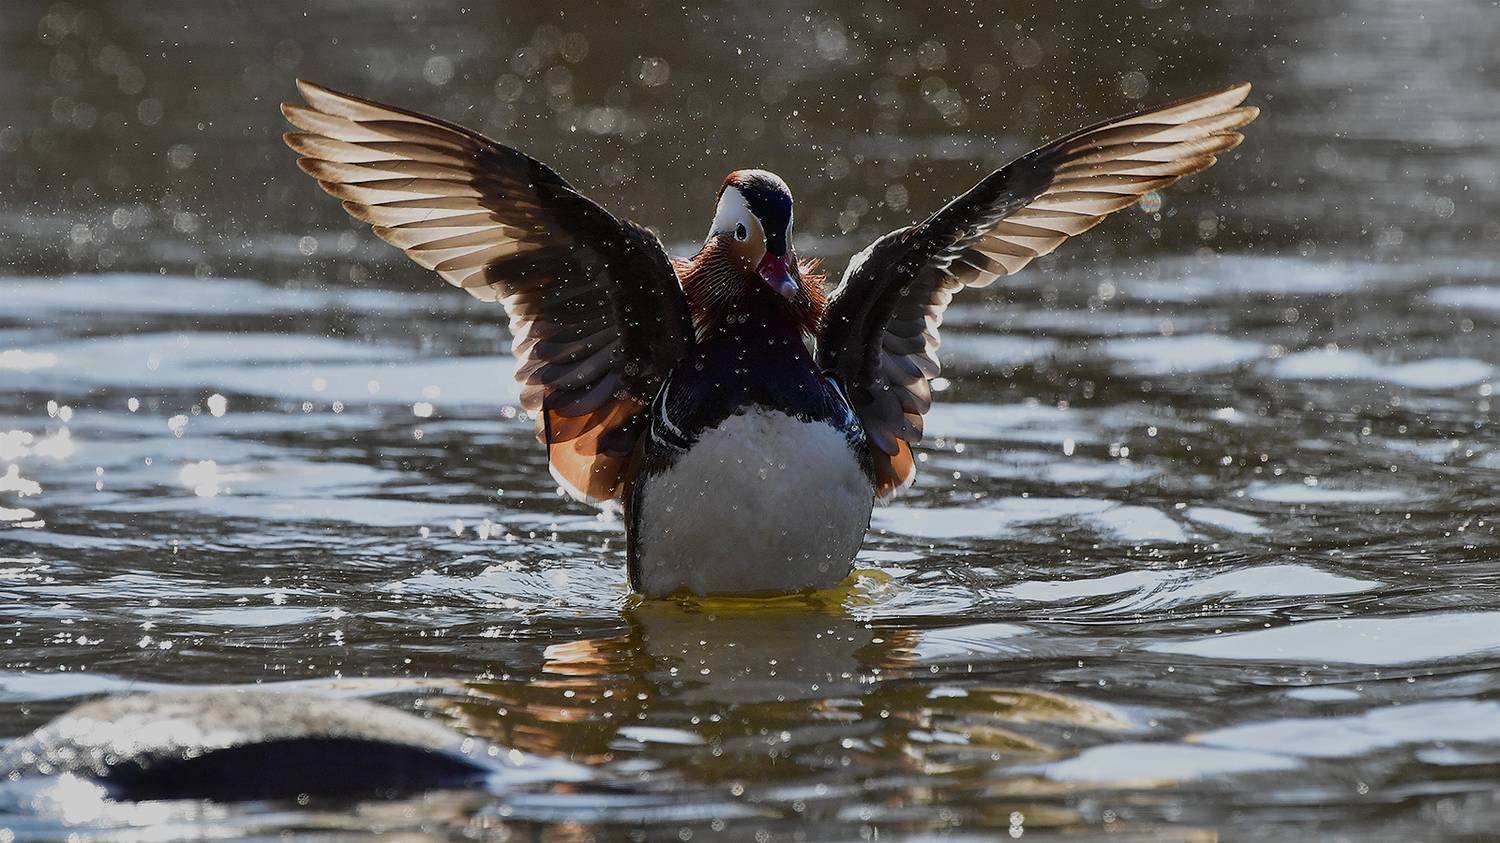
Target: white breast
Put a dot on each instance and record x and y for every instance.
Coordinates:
(765, 502)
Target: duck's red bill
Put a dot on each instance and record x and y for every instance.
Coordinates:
(773, 269)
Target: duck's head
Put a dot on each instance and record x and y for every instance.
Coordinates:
(753, 225)
(749, 251)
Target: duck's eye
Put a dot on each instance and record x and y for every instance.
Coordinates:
(741, 232)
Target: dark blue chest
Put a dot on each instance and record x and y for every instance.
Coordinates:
(748, 368)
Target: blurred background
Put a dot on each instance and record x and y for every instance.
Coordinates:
(143, 136)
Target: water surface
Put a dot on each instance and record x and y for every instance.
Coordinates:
(1205, 535)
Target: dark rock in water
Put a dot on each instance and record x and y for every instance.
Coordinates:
(244, 745)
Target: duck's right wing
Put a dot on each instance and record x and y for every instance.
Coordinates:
(880, 331)
(597, 313)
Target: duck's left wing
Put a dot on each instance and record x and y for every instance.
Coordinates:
(596, 311)
(880, 331)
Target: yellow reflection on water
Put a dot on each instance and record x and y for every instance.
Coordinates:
(863, 588)
(748, 695)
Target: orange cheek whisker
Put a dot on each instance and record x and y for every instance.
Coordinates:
(713, 279)
(814, 288)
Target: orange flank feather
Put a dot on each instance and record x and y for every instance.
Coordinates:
(590, 453)
(893, 471)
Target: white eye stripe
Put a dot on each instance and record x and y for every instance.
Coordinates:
(733, 210)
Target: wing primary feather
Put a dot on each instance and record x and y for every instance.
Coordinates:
(597, 313)
(881, 329)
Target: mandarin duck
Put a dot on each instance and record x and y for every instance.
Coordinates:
(745, 420)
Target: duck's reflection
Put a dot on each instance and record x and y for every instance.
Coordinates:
(690, 673)
(784, 702)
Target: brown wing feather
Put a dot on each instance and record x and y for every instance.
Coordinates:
(595, 308)
(881, 330)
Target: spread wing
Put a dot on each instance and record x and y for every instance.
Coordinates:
(596, 310)
(880, 331)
